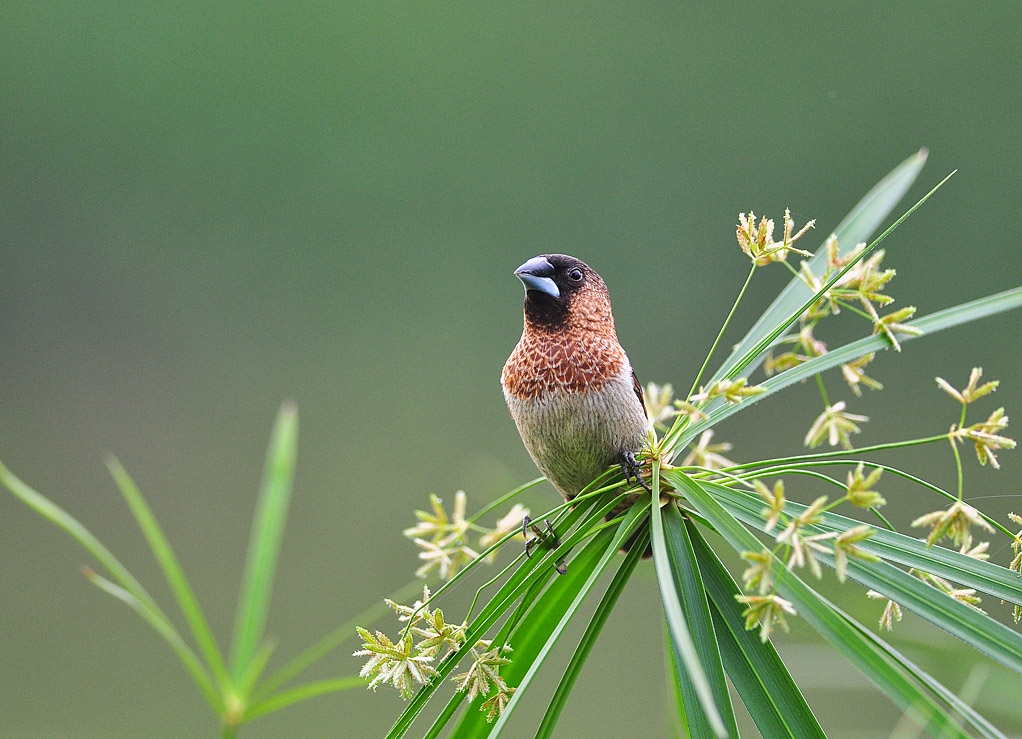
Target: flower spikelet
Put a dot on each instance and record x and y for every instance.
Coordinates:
(973, 391)
(845, 546)
(443, 540)
(659, 401)
(774, 500)
(987, 437)
(757, 240)
(512, 521)
(766, 610)
(496, 703)
(860, 492)
(760, 573)
(891, 612)
(483, 672)
(895, 323)
(805, 548)
(835, 425)
(733, 391)
(955, 522)
(398, 664)
(1016, 562)
(855, 375)
(705, 454)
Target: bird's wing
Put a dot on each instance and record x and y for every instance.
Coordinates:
(638, 391)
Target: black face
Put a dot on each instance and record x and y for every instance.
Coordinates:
(569, 273)
(551, 280)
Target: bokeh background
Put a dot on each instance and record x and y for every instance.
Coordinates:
(206, 209)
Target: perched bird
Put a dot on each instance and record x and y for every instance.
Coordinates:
(568, 384)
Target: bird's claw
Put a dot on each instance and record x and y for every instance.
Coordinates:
(632, 469)
(541, 535)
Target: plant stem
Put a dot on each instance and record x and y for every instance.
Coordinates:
(958, 458)
(878, 514)
(786, 468)
(823, 390)
(958, 466)
(503, 499)
(839, 453)
(716, 341)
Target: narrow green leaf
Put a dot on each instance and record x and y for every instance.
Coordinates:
(831, 623)
(129, 589)
(974, 628)
(676, 437)
(255, 669)
(592, 632)
(73, 527)
(984, 727)
(857, 226)
(888, 545)
(527, 634)
(680, 715)
(188, 658)
(952, 700)
(302, 692)
(446, 715)
(692, 677)
(757, 672)
(172, 571)
(544, 605)
(689, 585)
(264, 543)
(632, 519)
(473, 722)
(521, 580)
(930, 324)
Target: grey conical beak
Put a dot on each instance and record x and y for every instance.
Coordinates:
(537, 274)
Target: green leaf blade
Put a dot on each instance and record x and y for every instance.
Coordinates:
(172, 571)
(529, 574)
(692, 677)
(300, 693)
(689, 584)
(590, 636)
(528, 635)
(974, 628)
(188, 658)
(757, 672)
(264, 543)
(77, 531)
(619, 537)
(871, 656)
(891, 546)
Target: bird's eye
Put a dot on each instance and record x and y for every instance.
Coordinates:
(575, 275)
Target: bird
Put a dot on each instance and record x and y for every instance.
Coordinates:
(569, 386)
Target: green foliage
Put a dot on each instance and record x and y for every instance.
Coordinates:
(235, 696)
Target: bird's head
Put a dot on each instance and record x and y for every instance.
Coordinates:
(564, 292)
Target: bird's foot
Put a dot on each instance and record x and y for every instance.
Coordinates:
(540, 536)
(632, 469)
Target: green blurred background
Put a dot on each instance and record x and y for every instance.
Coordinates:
(205, 209)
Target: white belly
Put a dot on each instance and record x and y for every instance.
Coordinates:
(575, 436)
